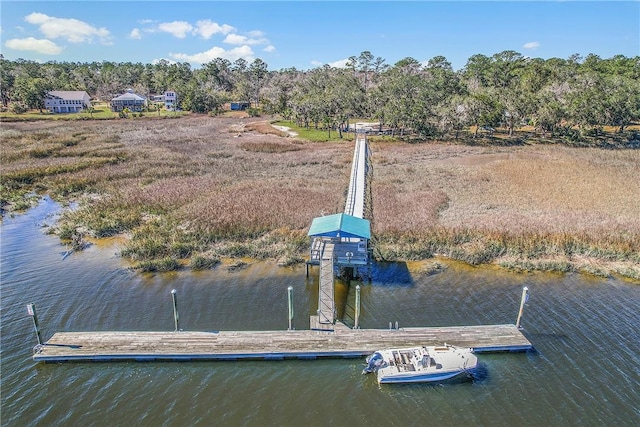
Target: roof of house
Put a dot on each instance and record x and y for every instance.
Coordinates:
(129, 97)
(68, 94)
(340, 225)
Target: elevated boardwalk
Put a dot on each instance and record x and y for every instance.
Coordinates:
(267, 345)
(355, 203)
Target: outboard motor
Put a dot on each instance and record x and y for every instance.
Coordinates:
(374, 362)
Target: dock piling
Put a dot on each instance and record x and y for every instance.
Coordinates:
(175, 310)
(31, 309)
(356, 325)
(290, 301)
(523, 300)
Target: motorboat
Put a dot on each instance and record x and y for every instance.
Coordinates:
(421, 364)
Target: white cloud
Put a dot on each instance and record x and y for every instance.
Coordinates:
(206, 28)
(135, 34)
(339, 64)
(336, 64)
(71, 30)
(238, 39)
(178, 29)
(531, 45)
(256, 34)
(269, 48)
(216, 52)
(44, 46)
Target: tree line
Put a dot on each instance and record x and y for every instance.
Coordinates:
(430, 99)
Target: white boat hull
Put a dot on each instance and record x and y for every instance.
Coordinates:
(421, 364)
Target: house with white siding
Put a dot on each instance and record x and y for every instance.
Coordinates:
(67, 101)
(170, 100)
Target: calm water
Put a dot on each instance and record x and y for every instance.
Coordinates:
(585, 370)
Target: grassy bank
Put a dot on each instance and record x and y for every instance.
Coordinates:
(99, 111)
(194, 191)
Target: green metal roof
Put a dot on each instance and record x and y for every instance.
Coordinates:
(340, 225)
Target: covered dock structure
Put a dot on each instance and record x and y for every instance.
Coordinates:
(342, 240)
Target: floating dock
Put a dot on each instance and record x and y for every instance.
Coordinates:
(341, 342)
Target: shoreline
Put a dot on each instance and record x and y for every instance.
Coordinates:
(435, 264)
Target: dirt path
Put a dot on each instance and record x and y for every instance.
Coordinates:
(286, 129)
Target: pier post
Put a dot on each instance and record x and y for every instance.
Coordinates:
(290, 301)
(524, 299)
(356, 325)
(31, 309)
(175, 310)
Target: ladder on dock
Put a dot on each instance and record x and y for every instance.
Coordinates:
(326, 300)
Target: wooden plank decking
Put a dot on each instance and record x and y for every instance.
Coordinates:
(267, 345)
(326, 300)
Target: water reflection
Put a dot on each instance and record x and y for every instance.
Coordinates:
(391, 274)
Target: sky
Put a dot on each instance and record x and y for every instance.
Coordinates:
(309, 34)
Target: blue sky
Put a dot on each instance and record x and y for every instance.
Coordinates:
(307, 34)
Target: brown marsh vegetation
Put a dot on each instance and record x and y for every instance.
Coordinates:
(199, 189)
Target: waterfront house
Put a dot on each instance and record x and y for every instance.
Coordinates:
(67, 101)
(170, 100)
(130, 101)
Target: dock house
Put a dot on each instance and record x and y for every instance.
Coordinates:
(348, 234)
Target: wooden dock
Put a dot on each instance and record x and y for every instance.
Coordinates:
(341, 342)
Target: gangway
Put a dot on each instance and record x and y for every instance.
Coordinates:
(326, 300)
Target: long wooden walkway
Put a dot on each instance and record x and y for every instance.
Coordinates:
(268, 345)
(355, 202)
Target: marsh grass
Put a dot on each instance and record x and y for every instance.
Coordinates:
(191, 192)
(204, 262)
(493, 204)
(160, 265)
(269, 147)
